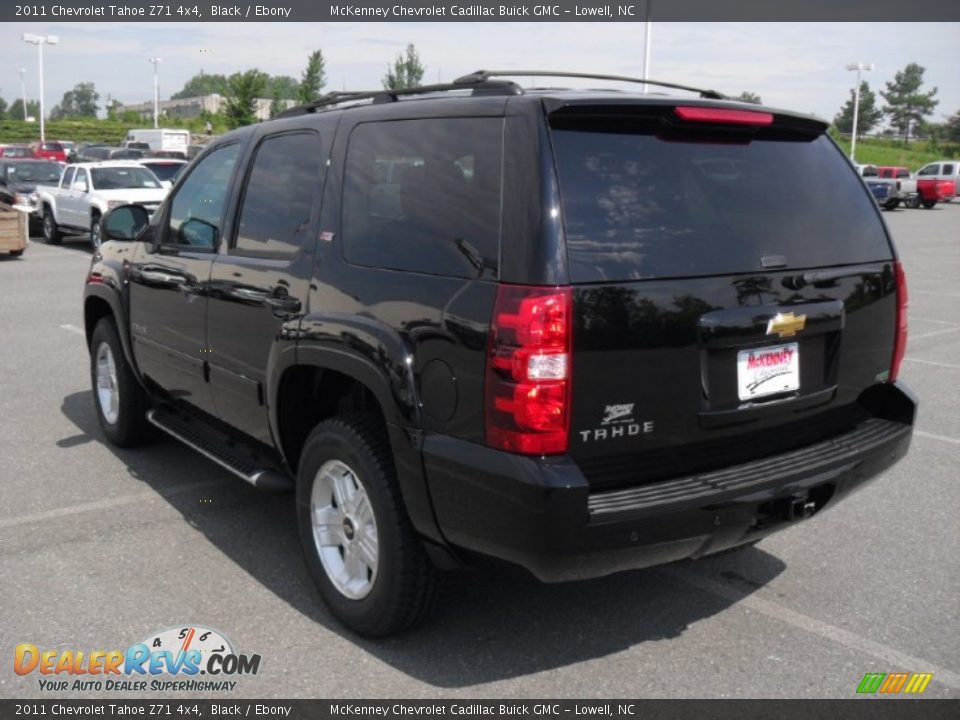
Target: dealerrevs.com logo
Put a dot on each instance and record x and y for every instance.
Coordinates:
(187, 658)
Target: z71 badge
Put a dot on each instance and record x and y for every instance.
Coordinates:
(617, 422)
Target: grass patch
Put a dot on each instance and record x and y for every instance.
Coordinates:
(893, 152)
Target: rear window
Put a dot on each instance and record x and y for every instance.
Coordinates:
(163, 171)
(53, 147)
(636, 206)
(424, 195)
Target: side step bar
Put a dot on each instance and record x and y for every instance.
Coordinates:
(217, 447)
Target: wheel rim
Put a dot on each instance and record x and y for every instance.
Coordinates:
(344, 529)
(108, 391)
(95, 234)
(47, 226)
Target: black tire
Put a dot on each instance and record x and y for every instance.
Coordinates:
(405, 586)
(928, 204)
(51, 231)
(130, 427)
(913, 202)
(891, 204)
(95, 238)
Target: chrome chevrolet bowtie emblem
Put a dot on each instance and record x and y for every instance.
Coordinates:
(786, 324)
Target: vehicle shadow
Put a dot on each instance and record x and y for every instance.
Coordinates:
(489, 625)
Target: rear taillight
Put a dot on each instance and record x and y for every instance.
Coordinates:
(527, 393)
(900, 334)
(723, 115)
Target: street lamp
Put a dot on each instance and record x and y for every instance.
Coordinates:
(23, 91)
(156, 90)
(859, 67)
(40, 41)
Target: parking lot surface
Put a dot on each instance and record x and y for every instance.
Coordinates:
(100, 548)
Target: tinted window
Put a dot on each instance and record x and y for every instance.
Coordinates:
(163, 171)
(638, 206)
(902, 174)
(53, 147)
(948, 169)
(929, 170)
(279, 197)
(67, 178)
(197, 207)
(424, 195)
(45, 173)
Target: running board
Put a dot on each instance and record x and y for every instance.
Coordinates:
(217, 447)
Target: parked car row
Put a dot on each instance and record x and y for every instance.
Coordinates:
(893, 185)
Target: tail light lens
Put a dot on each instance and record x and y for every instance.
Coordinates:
(528, 377)
(900, 335)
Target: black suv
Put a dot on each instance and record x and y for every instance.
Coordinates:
(580, 331)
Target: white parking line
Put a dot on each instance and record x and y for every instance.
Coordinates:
(73, 329)
(930, 320)
(107, 504)
(852, 641)
(935, 292)
(934, 333)
(934, 436)
(931, 362)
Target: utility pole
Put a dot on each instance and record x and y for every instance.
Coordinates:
(859, 66)
(156, 90)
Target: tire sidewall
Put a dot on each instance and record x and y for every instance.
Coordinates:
(96, 239)
(120, 432)
(336, 441)
(49, 227)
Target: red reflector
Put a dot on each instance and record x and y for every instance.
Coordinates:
(900, 331)
(723, 115)
(527, 384)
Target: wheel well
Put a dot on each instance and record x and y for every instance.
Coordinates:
(309, 395)
(93, 311)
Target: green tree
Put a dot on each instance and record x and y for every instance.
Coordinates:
(77, 103)
(314, 78)
(747, 96)
(283, 87)
(952, 127)
(113, 109)
(906, 104)
(3, 109)
(15, 112)
(868, 114)
(277, 105)
(242, 93)
(407, 70)
(204, 84)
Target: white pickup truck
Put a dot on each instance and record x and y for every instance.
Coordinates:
(87, 190)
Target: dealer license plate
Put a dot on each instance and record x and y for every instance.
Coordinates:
(768, 371)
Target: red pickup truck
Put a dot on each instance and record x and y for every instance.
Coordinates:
(927, 191)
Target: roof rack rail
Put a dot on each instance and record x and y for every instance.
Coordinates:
(479, 87)
(483, 76)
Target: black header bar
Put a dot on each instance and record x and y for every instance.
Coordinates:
(477, 11)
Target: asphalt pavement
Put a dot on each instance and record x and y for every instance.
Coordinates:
(100, 548)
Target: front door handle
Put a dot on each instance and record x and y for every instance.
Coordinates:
(282, 303)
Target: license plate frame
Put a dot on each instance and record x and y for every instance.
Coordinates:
(770, 370)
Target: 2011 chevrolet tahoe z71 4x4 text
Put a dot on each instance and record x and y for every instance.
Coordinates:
(579, 331)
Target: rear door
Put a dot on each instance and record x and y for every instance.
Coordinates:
(733, 290)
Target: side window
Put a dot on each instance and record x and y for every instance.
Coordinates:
(280, 194)
(929, 170)
(67, 180)
(948, 169)
(902, 174)
(424, 195)
(81, 183)
(196, 211)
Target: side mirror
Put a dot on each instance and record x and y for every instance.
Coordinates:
(125, 222)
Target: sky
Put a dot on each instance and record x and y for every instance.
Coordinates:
(797, 66)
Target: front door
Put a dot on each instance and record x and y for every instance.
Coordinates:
(260, 282)
(169, 282)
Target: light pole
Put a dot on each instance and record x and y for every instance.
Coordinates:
(23, 91)
(859, 67)
(40, 41)
(156, 90)
(647, 30)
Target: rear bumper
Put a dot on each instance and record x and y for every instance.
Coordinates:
(540, 513)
